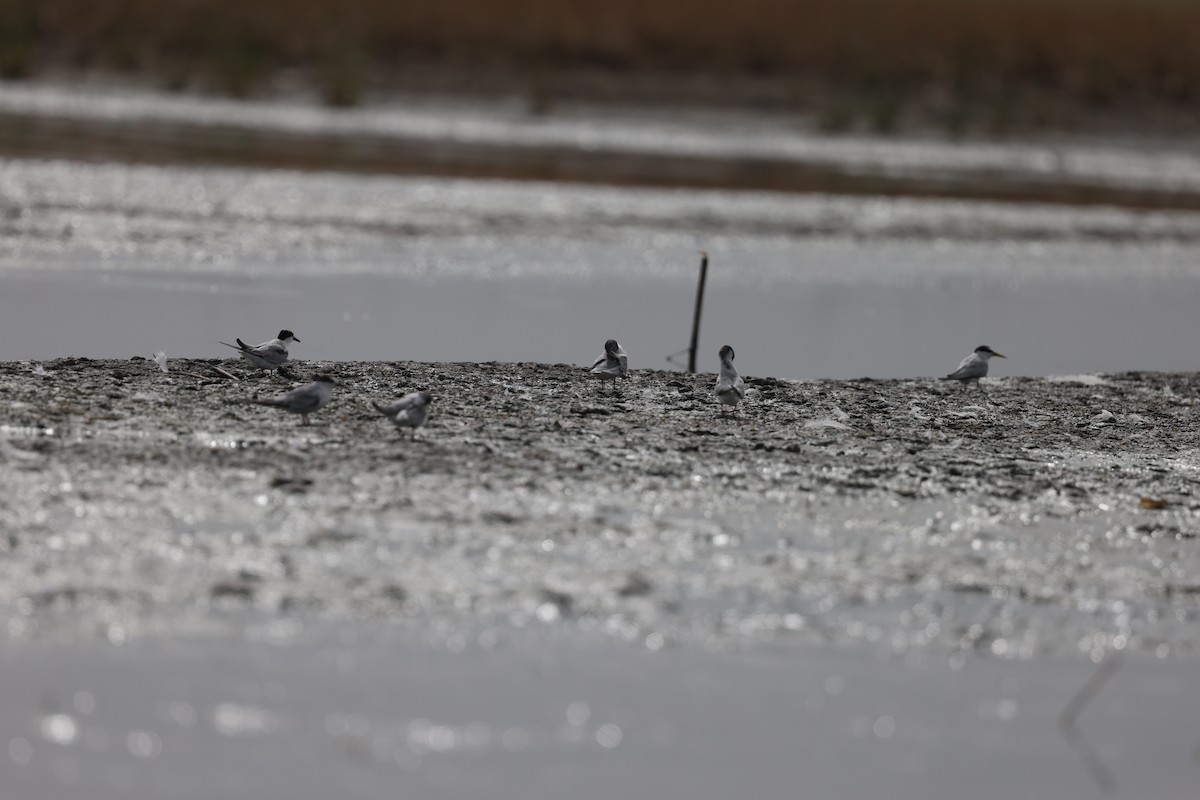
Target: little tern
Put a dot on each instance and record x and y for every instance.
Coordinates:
(974, 366)
(613, 363)
(268, 355)
(305, 399)
(730, 388)
(409, 411)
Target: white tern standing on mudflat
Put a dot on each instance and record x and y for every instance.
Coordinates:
(974, 366)
(268, 355)
(730, 388)
(305, 399)
(409, 411)
(613, 363)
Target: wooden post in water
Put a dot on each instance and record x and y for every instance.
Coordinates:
(696, 317)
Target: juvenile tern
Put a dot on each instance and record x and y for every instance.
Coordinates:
(974, 366)
(409, 411)
(268, 355)
(305, 399)
(613, 363)
(730, 388)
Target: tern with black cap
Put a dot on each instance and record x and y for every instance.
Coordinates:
(613, 363)
(730, 388)
(974, 366)
(268, 355)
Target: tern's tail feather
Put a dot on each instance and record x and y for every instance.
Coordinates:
(234, 346)
(387, 412)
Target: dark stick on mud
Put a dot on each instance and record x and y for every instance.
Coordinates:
(1070, 715)
(696, 316)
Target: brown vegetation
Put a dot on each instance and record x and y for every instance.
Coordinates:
(851, 56)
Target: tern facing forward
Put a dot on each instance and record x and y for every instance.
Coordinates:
(268, 355)
(613, 363)
(305, 399)
(409, 411)
(730, 388)
(974, 366)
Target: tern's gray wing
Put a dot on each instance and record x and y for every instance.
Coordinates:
(600, 359)
(724, 385)
(608, 364)
(413, 417)
(302, 400)
(730, 380)
(971, 367)
(623, 360)
(272, 351)
(403, 404)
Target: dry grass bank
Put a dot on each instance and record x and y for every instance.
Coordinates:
(855, 61)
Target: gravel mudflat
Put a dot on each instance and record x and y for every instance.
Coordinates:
(1051, 515)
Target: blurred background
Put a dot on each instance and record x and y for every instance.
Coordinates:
(883, 184)
(957, 65)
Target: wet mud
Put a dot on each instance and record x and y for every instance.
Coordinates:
(1047, 515)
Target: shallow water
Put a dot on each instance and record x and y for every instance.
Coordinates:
(112, 261)
(274, 713)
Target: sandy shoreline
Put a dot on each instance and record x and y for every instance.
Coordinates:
(901, 513)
